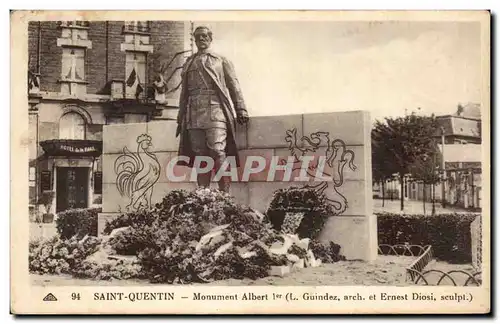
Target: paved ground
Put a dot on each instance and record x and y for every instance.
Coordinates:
(412, 207)
(386, 270)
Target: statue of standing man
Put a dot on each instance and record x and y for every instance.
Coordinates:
(211, 102)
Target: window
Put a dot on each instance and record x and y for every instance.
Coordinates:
(98, 182)
(32, 176)
(137, 26)
(135, 74)
(73, 64)
(32, 173)
(72, 126)
(74, 23)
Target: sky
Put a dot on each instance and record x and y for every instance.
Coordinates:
(386, 68)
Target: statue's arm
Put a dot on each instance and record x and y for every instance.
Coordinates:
(183, 94)
(182, 100)
(234, 88)
(182, 104)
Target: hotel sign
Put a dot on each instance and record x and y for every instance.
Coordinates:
(72, 147)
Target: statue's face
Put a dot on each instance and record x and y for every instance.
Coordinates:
(202, 39)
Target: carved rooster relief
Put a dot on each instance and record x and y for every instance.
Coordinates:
(136, 173)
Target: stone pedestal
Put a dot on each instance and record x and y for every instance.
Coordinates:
(348, 133)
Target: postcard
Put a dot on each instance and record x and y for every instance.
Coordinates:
(250, 162)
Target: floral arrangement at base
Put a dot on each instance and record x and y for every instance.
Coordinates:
(197, 236)
(60, 256)
(302, 211)
(88, 257)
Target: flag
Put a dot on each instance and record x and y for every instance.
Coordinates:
(139, 89)
(132, 78)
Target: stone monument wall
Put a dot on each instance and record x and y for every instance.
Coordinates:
(347, 133)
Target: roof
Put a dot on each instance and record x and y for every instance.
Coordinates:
(459, 126)
(461, 152)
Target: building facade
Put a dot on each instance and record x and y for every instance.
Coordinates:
(461, 155)
(86, 74)
(463, 127)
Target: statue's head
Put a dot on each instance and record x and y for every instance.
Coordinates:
(202, 37)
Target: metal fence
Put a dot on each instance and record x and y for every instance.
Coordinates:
(416, 273)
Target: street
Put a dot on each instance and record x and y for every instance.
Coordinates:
(412, 207)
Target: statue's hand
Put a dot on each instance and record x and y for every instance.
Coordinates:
(242, 118)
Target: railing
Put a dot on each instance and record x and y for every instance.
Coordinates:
(418, 265)
(135, 93)
(416, 272)
(472, 278)
(120, 91)
(402, 249)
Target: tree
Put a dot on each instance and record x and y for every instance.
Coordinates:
(400, 142)
(380, 171)
(425, 170)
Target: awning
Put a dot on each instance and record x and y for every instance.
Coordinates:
(72, 147)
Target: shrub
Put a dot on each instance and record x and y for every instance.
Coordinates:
(449, 234)
(79, 222)
(298, 200)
